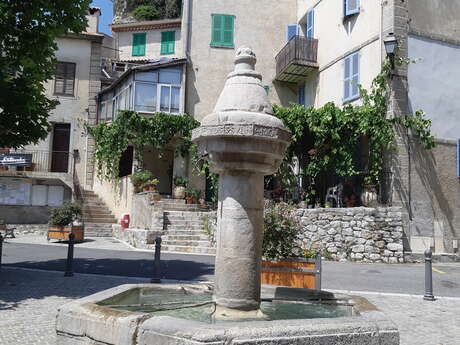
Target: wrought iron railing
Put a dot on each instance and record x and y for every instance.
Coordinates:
(298, 49)
(22, 161)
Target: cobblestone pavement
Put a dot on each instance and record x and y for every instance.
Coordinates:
(29, 300)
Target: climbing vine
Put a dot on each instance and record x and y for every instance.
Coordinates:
(130, 128)
(325, 139)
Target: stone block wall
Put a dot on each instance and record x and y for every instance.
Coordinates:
(356, 234)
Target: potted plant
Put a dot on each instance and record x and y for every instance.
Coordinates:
(279, 264)
(139, 178)
(180, 184)
(192, 195)
(150, 185)
(369, 196)
(61, 222)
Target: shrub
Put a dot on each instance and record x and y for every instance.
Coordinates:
(147, 12)
(139, 178)
(65, 214)
(280, 231)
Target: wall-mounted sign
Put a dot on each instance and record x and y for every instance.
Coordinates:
(16, 159)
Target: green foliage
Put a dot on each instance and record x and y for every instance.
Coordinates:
(280, 231)
(191, 192)
(65, 214)
(147, 12)
(308, 254)
(28, 32)
(139, 178)
(203, 168)
(180, 181)
(157, 130)
(325, 139)
(155, 9)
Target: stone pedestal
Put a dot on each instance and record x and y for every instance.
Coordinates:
(239, 240)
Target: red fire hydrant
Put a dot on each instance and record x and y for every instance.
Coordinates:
(124, 222)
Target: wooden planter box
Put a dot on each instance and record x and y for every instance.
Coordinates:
(63, 232)
(299, 273)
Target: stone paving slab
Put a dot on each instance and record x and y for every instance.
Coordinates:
(29, 300)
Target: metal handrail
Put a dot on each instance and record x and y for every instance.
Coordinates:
(41, 162)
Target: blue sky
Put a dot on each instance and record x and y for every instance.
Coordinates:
(107, 14)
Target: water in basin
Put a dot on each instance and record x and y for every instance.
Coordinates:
(198, 305)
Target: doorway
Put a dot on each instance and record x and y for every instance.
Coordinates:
(60, 148)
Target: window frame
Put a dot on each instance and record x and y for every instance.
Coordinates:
(348, 80)
(310, 26)
(64, 93)
(347, 12)
(297, 31)
(222, 43)
(166, 44)
(136, 45)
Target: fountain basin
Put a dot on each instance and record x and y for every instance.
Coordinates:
(146, 314)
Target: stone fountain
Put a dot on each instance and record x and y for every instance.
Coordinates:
(244, 142)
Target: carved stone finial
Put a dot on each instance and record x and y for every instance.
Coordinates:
(245, 59)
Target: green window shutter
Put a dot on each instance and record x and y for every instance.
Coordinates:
(222, 30)
(228, 31)
(139, 44)
(168, 41)
(217, 22)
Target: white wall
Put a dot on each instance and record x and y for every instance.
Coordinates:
(118, 196)
(338, 37)
(434, 84)
(153, 45)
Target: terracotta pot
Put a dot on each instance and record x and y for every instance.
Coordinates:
(369, 196)
(188, 200)
(179, 192)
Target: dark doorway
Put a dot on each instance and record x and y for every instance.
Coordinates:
(61, 142)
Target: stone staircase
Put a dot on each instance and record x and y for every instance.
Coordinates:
(184, 231)
(96, 215)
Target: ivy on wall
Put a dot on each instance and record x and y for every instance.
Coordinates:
(130, 128)
(325, 139)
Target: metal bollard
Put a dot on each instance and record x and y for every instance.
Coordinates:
(1, 249)
(428, 276)
(318, 270)
(157, 263)
(69, 263)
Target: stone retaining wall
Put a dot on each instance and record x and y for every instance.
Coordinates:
(29, 229)
(138, 238)
(356, 234)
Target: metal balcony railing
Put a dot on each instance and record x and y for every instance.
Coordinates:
(296, 59)
(18, 162)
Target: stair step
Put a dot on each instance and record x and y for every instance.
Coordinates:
(190, 250)
(168, 237)
(203, 244)
(180, 232)
(99, 220)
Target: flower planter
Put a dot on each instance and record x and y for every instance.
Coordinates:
(63, 232)
(179, 192)
(369, 196)
(189, 200)
(298, 272)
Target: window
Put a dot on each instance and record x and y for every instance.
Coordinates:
(310, 24)
(170, 99)
(146, 97)
(64, 82)
(168, 39)
(222, 30)
(292, 30)
(351, 79)
(302, 95)
(139, 44)
(350, 7)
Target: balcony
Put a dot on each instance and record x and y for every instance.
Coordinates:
(297, 59)
(37, 164)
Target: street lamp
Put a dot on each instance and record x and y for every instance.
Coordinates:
(391, 43)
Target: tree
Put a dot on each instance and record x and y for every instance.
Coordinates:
(28, 32)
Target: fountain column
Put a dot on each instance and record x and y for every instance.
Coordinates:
(244, 142)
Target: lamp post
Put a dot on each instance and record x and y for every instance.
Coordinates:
(391, 43)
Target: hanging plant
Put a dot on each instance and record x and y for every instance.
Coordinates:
(130, 128)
